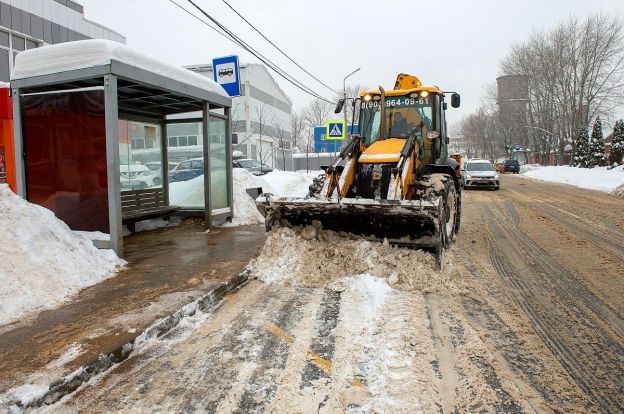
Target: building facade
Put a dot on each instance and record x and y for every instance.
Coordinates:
(260, 116)
(28, 24)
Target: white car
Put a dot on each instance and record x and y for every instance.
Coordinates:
(137, 177)
(479, 173)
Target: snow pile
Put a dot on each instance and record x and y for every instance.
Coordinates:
(312, 257)
(278, 183)
(98, 52)
(289, 183)
(599, 178)
(529, 167)
(245, 210)
(188, 193)
(42, 262)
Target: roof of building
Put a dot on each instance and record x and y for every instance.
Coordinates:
(208, 67)
(84, 54)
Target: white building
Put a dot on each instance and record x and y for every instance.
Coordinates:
(260, 116)
(29, 24)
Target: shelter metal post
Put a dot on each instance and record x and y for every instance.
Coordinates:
(228, 159)
(206, 138)
(112, 163)
(165, 159)
(18, 137)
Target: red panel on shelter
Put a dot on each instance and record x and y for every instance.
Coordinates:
(65, 145)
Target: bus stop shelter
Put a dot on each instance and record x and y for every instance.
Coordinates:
(93, 121)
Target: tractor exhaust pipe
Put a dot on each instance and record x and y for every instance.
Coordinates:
(382, 124)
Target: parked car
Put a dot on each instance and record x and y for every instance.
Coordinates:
(156, 169)
(480, 173)
(511, 166)
(253, 166)
(136, 177)
(187, 170)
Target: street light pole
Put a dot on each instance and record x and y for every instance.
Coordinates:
(344, 93)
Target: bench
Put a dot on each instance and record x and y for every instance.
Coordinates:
(147, 204)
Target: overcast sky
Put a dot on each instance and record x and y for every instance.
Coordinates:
(454, 44)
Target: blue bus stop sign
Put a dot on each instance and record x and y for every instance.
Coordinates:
(225, 72)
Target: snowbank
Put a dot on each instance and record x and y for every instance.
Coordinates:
(289, 183)
(245, 210)
(187, 193)
(600, 178)
(97, 52)
(42, 262)
(278, 183)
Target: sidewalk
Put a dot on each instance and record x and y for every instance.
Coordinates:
(167, 269)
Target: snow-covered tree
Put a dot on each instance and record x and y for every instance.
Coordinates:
(596, 157)
(617, 145)
(581, 148)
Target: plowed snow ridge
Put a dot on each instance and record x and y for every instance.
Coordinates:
(312, 257)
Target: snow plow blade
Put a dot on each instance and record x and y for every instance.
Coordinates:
(410, 223)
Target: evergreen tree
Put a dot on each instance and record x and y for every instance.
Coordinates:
(617, 145)
(581, 149)
(596, 156)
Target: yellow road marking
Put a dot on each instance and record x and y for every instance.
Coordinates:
(322, 363)
(276, 330)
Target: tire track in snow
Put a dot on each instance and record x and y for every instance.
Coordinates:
(563, 312)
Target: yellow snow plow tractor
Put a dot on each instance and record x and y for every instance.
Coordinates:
(393, 180)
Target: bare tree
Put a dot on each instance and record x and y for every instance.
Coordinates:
(297, 129)
(317, 112)
(283, 145)
(576, 73)
(264, 120)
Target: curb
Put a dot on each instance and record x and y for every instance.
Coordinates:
(70, 383)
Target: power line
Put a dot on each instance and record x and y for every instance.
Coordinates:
(261, 57)
(239, 42)
(275, 46)
(203, 21)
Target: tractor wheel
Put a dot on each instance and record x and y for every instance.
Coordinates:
(450, 211)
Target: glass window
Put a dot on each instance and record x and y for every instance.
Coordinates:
(139, 145)
(4, 65)
(4, 39)
(186, 181)
(173, 141)
(31, 45)
(403, 116)
(19, 43)
(218, 170)
(479, 166)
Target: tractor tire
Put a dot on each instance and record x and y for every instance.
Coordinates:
(450, 212)
(429, 187)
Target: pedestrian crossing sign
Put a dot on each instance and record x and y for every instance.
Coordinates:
(335, 130)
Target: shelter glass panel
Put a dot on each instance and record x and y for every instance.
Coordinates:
(64, 136)
(140, 155)
(186, 155)
(218, 167)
